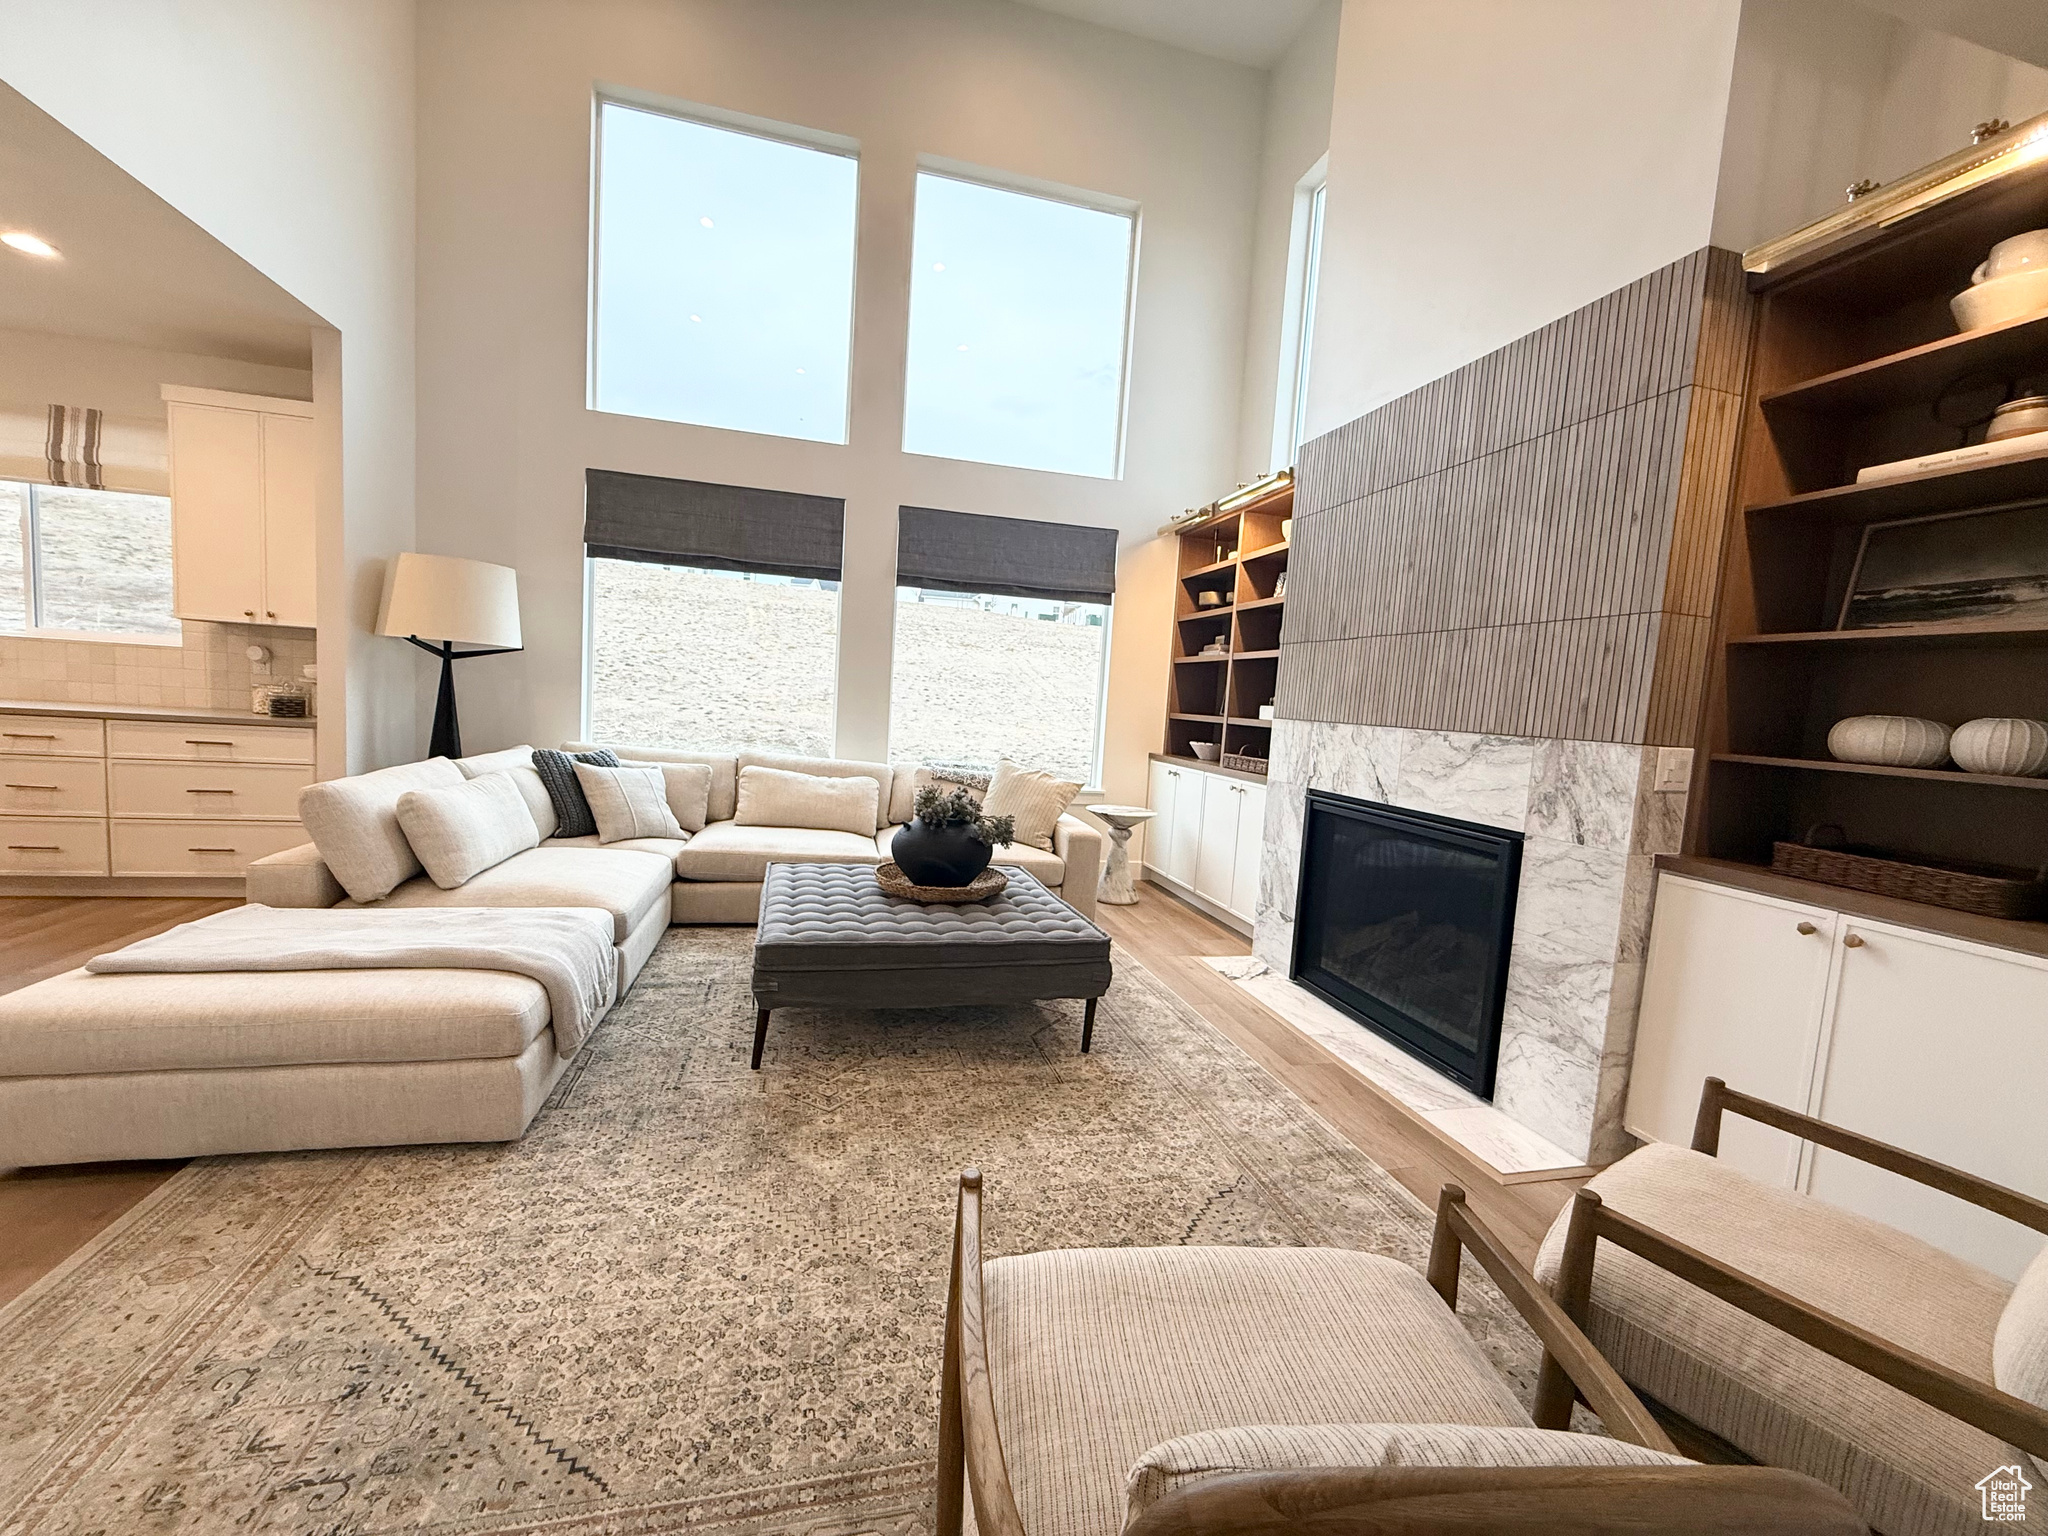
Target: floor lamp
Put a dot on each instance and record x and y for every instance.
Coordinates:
(452, 602)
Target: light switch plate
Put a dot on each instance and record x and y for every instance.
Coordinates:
(1674, 769)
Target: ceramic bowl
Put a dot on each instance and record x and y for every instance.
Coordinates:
(1205, 750)
(2001, 299)
(2020, 253)
(2018, 418)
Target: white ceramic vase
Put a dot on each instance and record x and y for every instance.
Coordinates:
(2002, 744)
(1893, 741)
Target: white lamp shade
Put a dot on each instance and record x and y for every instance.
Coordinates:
(442, 597)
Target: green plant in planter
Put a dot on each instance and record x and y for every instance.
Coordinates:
(960, 809)
(949, 842)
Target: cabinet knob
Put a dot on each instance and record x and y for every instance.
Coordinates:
(248, 613)
(1808, 929)
(1853, 941)
(270, 613)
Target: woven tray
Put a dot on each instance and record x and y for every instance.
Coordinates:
(1989, 890)
(984, 885)
(1244, 763)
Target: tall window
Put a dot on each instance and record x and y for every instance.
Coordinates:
(707, 660)
(1298, 324)
(724, 276)
(89, 564)
(1019, 313)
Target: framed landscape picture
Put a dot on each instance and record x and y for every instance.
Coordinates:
(1971, 567)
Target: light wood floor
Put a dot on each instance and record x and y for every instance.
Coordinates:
(47, 1213)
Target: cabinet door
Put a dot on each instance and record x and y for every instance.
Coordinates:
(1158, 832)
(1939, 1047)
(1251, 843)
(1734, 988)
(1184, 844)
(1216, 857)
(288, 559)
(216, 513)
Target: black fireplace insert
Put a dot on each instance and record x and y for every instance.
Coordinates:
(1403, 920)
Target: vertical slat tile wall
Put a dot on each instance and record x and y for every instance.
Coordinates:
(1529, 546)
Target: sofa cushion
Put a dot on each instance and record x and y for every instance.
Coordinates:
(667, 847)
(2019, 1347)
(1050, 868)
(1907, 1467)
(517, 761)
(723, 765)
(81, 1023)
(354, 823)
(688, 787)
(628, 801)
(1035, 799)
(1177, 1464)
(466, 828)
(1097, 1355)
(831, 768)
(774, 797)
(557, 771)
(623, 882)
(725, 850)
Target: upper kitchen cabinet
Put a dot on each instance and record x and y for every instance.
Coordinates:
(242, 526)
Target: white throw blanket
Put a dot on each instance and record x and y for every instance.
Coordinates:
(568, 950)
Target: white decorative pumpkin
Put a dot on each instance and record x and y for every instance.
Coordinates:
(2002, 744)
(1895, 741)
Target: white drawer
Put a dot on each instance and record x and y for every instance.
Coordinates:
(51, 736)
(207, 791)
(53, 786)
(209, 743)
(198, 847)
(40, 846)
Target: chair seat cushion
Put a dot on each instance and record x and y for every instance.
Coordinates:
(82, 1023)
(1180, 1463)
(1050, 868)
(725, 850)
(667, 847)
(1097, 1355)
(626, 883)
(1908, 1468)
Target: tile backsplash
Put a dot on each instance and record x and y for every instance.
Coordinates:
(210, 670)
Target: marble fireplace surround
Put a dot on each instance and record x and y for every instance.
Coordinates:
(1592, 823)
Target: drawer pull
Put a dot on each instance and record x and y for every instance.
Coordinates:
(209, 791)
(1854, 941)
(31, 786)
(30, 735)
(195, 741)
(34, 848)
(213, 850)
(1808, 929)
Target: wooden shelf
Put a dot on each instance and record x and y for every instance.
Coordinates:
(1255, 655)
(1260, 602)
(1216, 569)
(1201, 680)
(1954, 490)
(1216, 768)
(1216, 660)
(1206, 616)
(1931, 775)
(2018, 348)
(1255, 724)
(1265, 554)
(1909, 635)
(1203, 719)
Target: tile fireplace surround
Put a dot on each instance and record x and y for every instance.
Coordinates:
(1501, 596)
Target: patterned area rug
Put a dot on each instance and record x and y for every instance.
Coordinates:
(693, 1298)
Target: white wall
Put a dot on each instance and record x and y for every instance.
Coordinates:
(1495, 164)
(1827, 92)
(1297, 132)
(504, 118)
(286, 131)
(37, 368)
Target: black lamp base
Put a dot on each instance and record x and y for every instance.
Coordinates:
(446, 740)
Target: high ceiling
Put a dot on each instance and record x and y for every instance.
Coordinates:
(133, 268)
(1254, 32)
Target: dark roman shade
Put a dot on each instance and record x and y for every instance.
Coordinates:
(719, 527)
(1007, 556)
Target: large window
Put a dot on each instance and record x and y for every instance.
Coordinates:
(85, 564)
(1298, 323)
(980, 677)
(724, 276)
(1019, 311)
(707, 660)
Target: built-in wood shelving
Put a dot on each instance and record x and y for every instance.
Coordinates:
(1882, 770)
(1918, 374)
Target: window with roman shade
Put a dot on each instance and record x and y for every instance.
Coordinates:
(713, 614)
(1002, 640)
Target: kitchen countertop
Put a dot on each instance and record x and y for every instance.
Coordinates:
(146, 712)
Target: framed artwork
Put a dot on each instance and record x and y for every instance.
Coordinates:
(1971, 567)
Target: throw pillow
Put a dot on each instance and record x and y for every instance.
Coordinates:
(776, 797)
(354, 824)
(628, 802)
(2019, 1347)
(461, 831)
(1036, 800)
(517, 761)
(557, 771)
(689, 793)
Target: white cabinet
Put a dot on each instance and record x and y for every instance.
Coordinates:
(1205, 840)
(1251, 842)
(1928, 1042)
(242, 522)
(1216, 853)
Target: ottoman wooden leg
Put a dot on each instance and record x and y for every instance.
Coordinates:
(1088, 1026)
(760, 1035)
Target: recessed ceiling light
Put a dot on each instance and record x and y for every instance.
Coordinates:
(961, 348)
(938, 266)
(698, 318)
(28, 244)
(705, 221)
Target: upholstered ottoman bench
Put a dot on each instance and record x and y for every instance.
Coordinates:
(99, 1067)
(829, 937)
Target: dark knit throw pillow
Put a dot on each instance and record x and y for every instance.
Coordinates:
(557, 771)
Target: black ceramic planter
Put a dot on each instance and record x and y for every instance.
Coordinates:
(930, 855)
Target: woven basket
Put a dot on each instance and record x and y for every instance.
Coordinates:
(1989, 890)
(989, 882)
(1243, 763)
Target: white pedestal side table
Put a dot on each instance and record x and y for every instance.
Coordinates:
(1118, 888)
